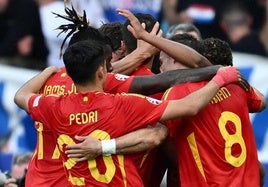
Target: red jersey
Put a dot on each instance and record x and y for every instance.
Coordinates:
(45, 168)
(144, 70)
(145, 161)
(100, 115)
(217, 146)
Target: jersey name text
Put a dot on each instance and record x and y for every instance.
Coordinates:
(83, 118)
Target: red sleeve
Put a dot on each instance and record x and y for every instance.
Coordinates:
(36, 106)
(141, 110)
(176, 92)
(254, 101)
(117, 83)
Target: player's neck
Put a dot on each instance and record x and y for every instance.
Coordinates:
(89, 88)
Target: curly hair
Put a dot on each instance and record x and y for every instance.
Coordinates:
(217, 51)
(113, 31)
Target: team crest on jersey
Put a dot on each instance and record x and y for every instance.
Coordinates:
(121, 77)
(153, 101)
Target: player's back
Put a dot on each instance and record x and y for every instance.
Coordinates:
(45, 168)
(217, 146)
(103, 116)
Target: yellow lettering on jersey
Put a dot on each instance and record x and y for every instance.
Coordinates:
(72, 90)
(222, 94)
(58, 90)
(54, 89)
(83, 118)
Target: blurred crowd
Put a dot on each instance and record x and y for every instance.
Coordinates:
(29, 38)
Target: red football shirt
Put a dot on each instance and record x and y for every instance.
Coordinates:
(217, 146)
(144, 70)
(45, 168)
(103, 116)
(145, 161)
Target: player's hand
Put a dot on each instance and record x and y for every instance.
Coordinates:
(226, 75)
(145, 47)
(136, 28)
(244, 83)
(88, 149)
(229, 74)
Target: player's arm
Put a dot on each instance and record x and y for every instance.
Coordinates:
(137, 57)
(159, 83)
(196, 101)
(133, 142)
(32, 87)
(130, 62)
(141, 140)
(179, 52)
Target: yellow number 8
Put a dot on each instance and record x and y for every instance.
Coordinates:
(231, 139)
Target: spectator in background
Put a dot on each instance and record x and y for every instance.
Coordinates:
(204, 14)
(182, 28)
(21, 38)
(136, 6)
(49, 24)
(257, 10)
(18, 170)
(264, 30)
(236, 22)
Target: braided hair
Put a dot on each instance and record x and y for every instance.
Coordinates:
(79, 28)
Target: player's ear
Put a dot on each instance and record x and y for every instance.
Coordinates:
(123, 47)
(100, 73)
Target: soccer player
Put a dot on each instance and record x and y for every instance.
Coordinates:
(113, 31)
(45, 168)
(224, 56)
(217, 146)
(96, 113)
(208, 148)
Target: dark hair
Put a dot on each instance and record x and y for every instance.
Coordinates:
(187, 40)
(113, 31)
(21, 159)
(184, 27)
(79, 29)
(217, 51)
(82, 59)
(128, 38)
(234, 13)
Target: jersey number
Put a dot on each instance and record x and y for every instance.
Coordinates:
(92, 164)
(230, 140)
